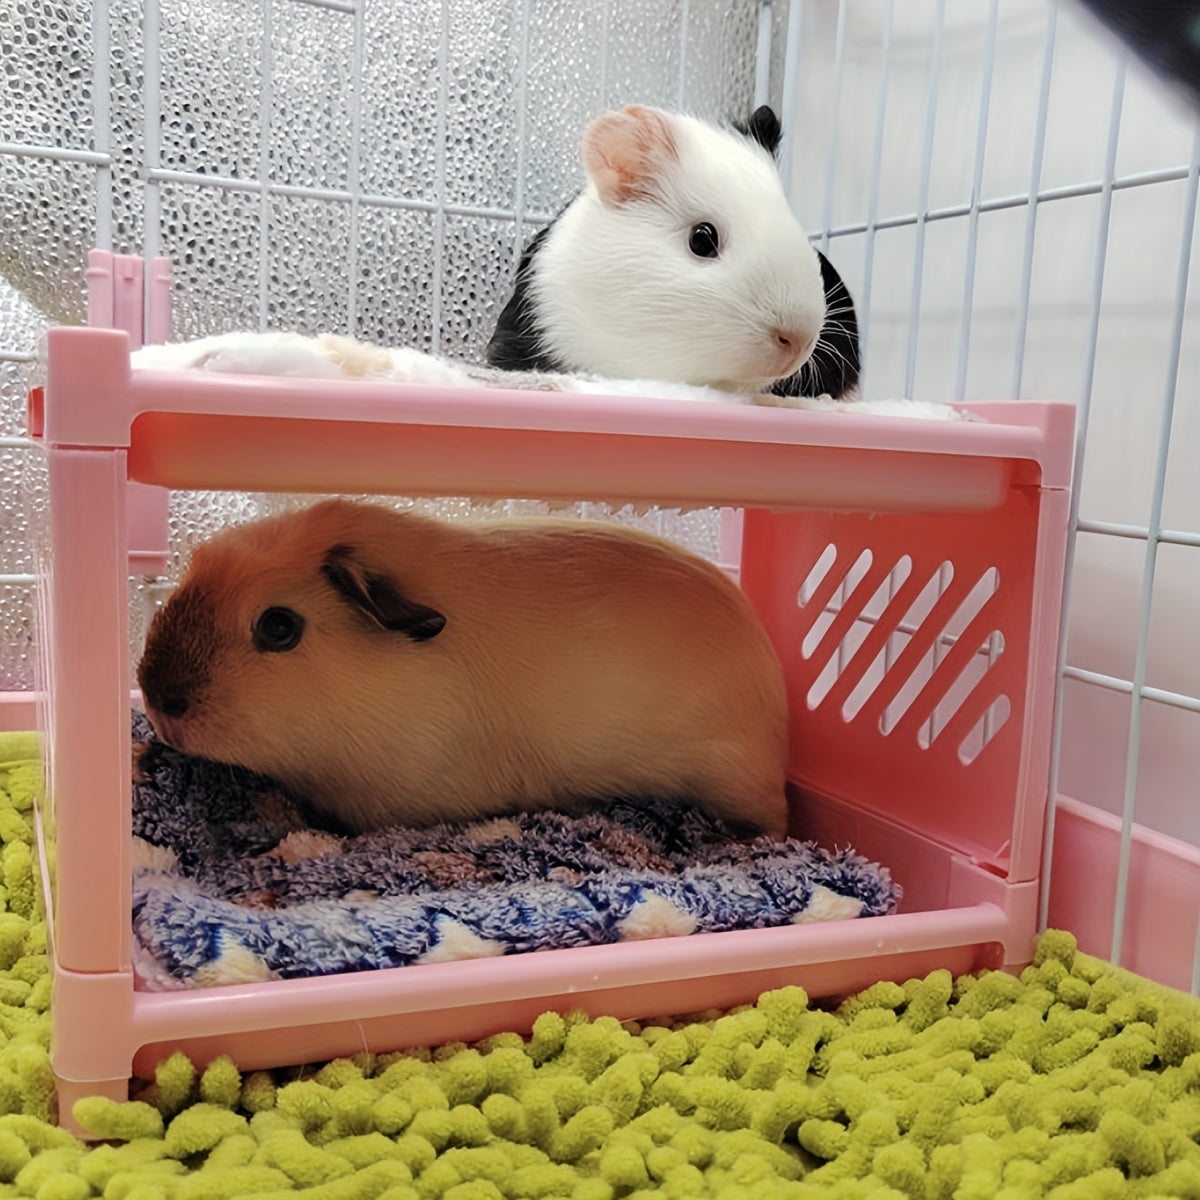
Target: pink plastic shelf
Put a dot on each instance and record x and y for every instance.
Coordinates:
(950, 793)
(191, 430)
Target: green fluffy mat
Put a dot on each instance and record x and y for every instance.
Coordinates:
(1076, 1081)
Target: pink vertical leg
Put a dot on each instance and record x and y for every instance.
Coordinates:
(89, 696)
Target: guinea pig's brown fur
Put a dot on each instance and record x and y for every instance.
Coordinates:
(445, 672)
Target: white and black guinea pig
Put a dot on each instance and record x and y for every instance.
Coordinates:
(681, 261)
(392, 669)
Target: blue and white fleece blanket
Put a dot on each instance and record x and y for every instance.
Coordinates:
(231, 885)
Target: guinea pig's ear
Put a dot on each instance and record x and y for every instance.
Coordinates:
(763, 128)
(379, 598)
(625, 152)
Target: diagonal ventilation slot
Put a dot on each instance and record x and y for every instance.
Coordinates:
(877, 585)
(843, 586)
(945, 661)
(910, 672)
(893, 636)
(984, 730)
(865, 671)
(1002, 676)
(854, 622)
(963, 695)
(901, 593)
(824, 587)
(813, 579)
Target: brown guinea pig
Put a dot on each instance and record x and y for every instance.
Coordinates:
(392, 669)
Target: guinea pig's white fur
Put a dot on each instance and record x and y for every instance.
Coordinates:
(618, 292)
(277, 352)
(453, 671)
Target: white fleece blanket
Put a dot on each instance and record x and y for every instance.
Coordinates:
(333, 356)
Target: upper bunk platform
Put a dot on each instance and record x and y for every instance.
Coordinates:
(195, 429)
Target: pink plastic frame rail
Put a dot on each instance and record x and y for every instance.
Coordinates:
(960, 825)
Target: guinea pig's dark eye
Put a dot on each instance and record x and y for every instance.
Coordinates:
(278, 629)
(703, 241)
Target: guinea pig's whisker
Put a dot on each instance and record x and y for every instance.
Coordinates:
(835, 327)
(832, 313)
(831, 333)
(825, 354)
(837, 356)
(831, 328)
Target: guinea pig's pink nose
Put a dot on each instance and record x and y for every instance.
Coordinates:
(794, 340)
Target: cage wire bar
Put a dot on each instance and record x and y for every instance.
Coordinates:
(1138, 683)
(914, 325)
(839, 58)
(981, 129)
(151, 147)
(263, 185)
(885, 59)
(1031, 205)
(265, 98)
(1083, 409)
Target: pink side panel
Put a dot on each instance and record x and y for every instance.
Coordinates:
(89, 698)
(1162, 908)
(878, 645)
(932, 879)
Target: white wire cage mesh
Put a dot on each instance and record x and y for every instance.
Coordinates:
(1013, 201)
(315, 165)
(1010, 199)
